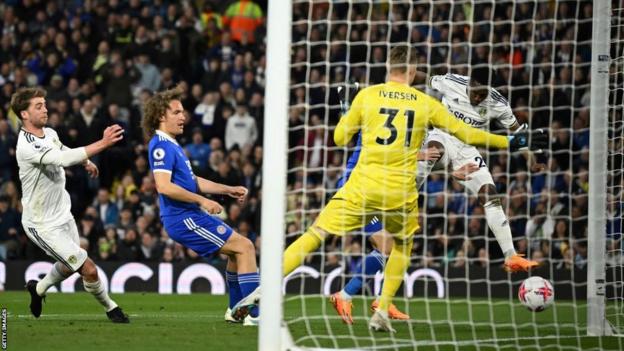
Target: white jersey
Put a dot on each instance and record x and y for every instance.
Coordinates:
(455, 98)
(45, 201)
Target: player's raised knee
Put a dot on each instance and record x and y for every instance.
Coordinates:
(383, 242)
(242, 245)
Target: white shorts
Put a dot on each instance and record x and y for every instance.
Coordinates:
(60, 242)
(458, 154)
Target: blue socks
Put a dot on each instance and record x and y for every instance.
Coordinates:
(233, 287)
(372, 263)
(248, 282)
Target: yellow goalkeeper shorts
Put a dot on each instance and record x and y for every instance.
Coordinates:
(341, 216)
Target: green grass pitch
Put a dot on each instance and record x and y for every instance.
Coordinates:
(195, 322)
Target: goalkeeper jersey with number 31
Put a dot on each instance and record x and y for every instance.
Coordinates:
(393, 118)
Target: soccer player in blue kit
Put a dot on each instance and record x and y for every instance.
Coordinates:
(187, 215)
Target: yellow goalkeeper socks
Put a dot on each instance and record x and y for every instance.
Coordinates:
(297, 251)
(395, 270)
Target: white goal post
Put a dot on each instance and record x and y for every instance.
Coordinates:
(597, 201)
(275, 143)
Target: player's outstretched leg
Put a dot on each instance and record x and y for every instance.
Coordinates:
(242, 250)
(499, 225)
(93, 285)
(296, 252)
(37, 290)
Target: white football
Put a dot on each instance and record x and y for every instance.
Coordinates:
(536, 294)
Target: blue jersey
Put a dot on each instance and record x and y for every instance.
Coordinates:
(351, 162)
(166, 155)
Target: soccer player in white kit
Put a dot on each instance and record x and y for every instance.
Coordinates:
(47, 218)
(473, 101)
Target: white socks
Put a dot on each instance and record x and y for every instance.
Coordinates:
(54, 276)
(499, 225)
(344, 295)
(100, 294)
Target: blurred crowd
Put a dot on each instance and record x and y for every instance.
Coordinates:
(99, 60)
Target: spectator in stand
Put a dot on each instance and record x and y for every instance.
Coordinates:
(241, 128)
(107, 210)
(243, 18)
(209, 114)
(7, 151)
(117, 85)
(225, 51)
(9, 227)
(149, 74)
(198, 152)
(149, 249)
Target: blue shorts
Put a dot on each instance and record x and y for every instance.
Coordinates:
(198, 231)
(373, 227)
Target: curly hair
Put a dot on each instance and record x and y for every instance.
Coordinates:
(156, 107)
(21, 99)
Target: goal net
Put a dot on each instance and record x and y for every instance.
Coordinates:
(614, 309)
(455, 291)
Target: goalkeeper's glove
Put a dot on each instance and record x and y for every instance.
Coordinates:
(345, 99)
(528, 140)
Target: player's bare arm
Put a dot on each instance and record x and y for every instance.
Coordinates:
(208, 187)
(463, 172)
(70, 157)
(165, 187)
(111, 135)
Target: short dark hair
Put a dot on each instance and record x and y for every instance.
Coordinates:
(402, 56)
(21, 99)
(482, 75)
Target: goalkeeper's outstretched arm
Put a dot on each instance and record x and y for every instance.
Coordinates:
(442, 119)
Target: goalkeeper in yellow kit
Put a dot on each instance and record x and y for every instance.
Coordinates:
(393, 119)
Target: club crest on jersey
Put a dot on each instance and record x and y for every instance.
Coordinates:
(221, 229)
(482, 111)
(158, 154)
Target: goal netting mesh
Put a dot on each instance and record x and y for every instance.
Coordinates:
(455, 290)
(614, 311)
